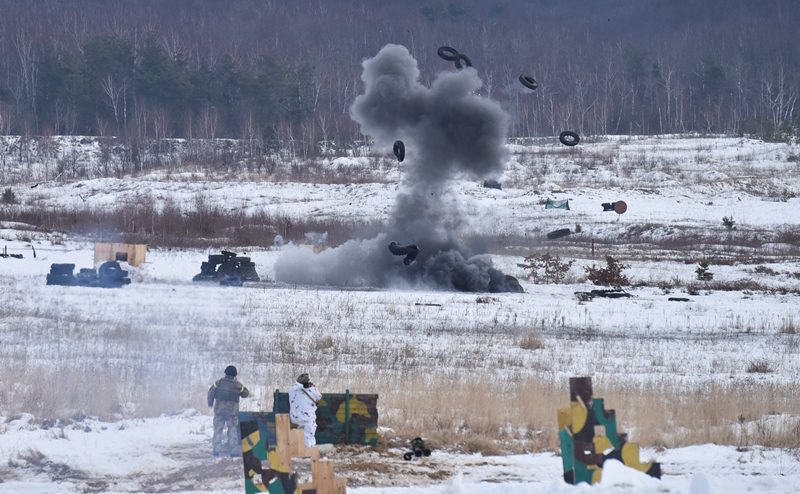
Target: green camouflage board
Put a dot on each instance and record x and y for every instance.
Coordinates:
(342, 418)
(588, 436)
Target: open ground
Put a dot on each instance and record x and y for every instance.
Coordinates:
(473, 373)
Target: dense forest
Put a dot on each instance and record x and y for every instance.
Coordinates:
(284, 73)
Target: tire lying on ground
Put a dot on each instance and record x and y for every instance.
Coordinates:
(569, 138)
(206, 268)
(399, 150)
(59, 269)
(231, 280)
(462, 61)
(110, 270)
(563, 232)
(448, 53)
(64, 279)
(87, 277)
(528, 81)
(111, 275)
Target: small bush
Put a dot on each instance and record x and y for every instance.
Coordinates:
(760, 269)
(324, 343)
(9, 197)
(481, 444)
(546, 268)
(29, 457)
(610, 275)
(531, 341)
(759, 367)
(788, 326)
(703, 274)
(728, 222)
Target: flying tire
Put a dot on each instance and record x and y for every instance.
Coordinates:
(447, 53)
(528, 81)
(569, 138)
(399, 150)
(462, 61)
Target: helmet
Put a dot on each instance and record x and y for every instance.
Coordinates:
(303, 378)
(230, 371)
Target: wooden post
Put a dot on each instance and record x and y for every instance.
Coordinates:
(347, 416)
(282, 433)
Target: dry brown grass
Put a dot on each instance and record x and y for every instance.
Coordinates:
(476, 393)
(531, 341)
(466, 411)
(472, 414)
(759, 367)
(788, 326)
(204, 225)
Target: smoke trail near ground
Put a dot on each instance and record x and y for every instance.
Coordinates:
(450, 132)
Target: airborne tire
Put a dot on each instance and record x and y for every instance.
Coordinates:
(528, 81)
(569, 138)
(399, 150)
(448, 53)
(462, 59)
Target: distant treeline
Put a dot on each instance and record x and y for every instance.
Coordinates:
(284, 73)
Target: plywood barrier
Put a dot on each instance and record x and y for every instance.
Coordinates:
(133, 254)
(268, 438)
(342, 418)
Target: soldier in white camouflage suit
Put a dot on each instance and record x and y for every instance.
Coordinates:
(224, 396)
(303, 398)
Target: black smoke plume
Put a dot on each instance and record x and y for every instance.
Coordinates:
(450, 133)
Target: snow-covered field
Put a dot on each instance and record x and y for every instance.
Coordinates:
(103, 390)
(164, 454)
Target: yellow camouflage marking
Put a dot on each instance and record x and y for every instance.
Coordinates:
(579, 416)
(250, 441)
(371, 434)
(630, 457)
(597, 473)
(357, 407)
(258, 485)
(564, 418)
(601, 444)
(275, 462)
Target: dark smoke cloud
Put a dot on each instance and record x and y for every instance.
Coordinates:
(450, 132)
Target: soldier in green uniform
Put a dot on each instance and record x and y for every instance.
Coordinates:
(224, 396)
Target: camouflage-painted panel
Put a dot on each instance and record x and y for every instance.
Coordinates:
(342, 418)
(259, 442)
(588, 436)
